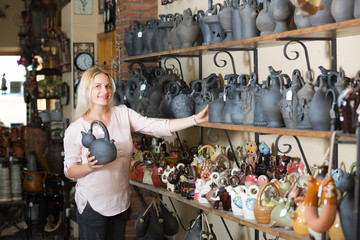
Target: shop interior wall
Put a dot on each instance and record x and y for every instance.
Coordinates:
(315, 148)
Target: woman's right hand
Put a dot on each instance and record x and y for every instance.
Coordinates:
(92, 163)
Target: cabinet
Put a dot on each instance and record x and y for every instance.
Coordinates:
(328, 32)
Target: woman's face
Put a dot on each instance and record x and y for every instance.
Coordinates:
(102, 90)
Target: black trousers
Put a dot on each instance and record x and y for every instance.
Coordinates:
(94, 226)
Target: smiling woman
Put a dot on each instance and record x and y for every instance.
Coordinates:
(12, 105)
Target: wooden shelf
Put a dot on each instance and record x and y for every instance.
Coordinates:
(331, 31)
(266, 130)
(279, 232)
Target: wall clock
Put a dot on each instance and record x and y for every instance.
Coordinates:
(83, 59)
(83, 7)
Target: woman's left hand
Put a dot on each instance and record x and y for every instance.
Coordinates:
(202, 116)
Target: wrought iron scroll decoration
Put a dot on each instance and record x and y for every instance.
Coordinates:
(297, 53)
(209, 136)
(224, 61)
(290, 148)
(173, 66)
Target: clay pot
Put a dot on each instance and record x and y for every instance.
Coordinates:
(301, 21)
(263, 213)
(323, 16)
(342, 10)
(305, 95)
(33, 181)
(264, 22)
(225, 21)
(205, 29)
(281, 11)
(236, 22)
(248, 15)
(194, 230)
(298, 221)
(212, 20)
(237, 114)
(171, 225)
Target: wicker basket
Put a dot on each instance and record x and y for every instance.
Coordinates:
(263, 213)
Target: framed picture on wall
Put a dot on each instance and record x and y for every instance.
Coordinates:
(101, 6)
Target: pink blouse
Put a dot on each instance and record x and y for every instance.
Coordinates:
(107, 189)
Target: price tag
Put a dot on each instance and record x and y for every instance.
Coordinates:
(139, 34)
(142, 87)
(289, 95)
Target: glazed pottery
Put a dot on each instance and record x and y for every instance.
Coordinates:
(342, 10)
(262, 212)
(298, 221)
(281, 11)
(205, 29)
(103, 149)
(236, 201)
(188, 30)
(305, 95)
(264, 22)
(270, 99)
(249, 201)
(225, 21)
(323, 16)
(248, 15)
(289, 100)
(280, 215)
(301, 21)
(347, 102)
(33, 181)
(321, 222)
(321, 104)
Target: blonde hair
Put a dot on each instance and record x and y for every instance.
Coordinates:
(83, 99)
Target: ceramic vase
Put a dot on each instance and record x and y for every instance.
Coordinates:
(128, 41)
(237, 114)
(205, 29)
(264, 22)
(188, 30)
(323, 16)
(342, 10)
(148, 34)
(216, 109)
(281, 11)
(271, 98)
(357, 9)
(225, 21)
(300, 21)
(174, 41)
(289, 100)
(248, 15)
(304, 95)
(236, 22)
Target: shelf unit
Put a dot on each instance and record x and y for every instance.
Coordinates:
(328, 32)
(278, 232)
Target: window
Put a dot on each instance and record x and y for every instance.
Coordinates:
(12, 105)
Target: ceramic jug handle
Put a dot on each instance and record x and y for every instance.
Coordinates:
(102, 126)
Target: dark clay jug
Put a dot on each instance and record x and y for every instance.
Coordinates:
(156, 228)
(174, 42)
(271, 98)
(119, 94)
(183, 105)
(289, 100)
(128, 39)
(165, 108)
(131, 87)
(281, 11)
(171, 225)
(248, 14)
(225, 21)
(159, 35)
(155, 96)
(212, 20)
(103, 149)
(321, 104)
(188, 30)
(138, 46)
(142, 224)
(194, 230)
(205, 29)
(305, 95)
(237, 114)
(229, 95)
(250, 98)
(216, 108)
(347, 205)
(264, 22)
(323, 16)
(342, 10)
(236, 21)
(167, 25)
(148, 34)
